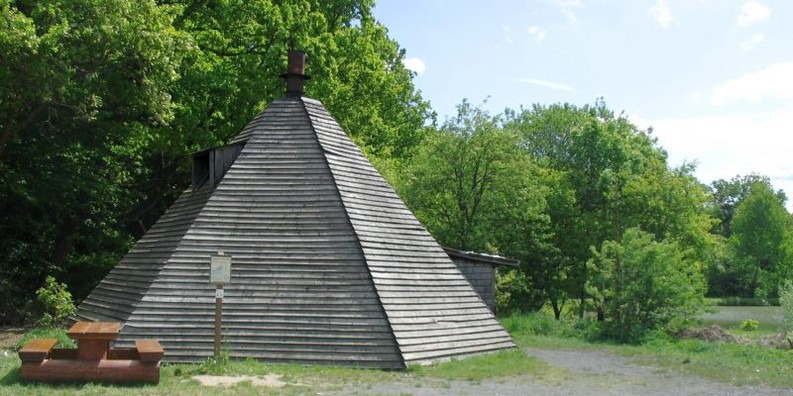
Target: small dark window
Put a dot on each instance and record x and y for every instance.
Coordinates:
(200, 168)
(211, 164)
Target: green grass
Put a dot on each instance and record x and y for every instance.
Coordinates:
(730, 318)
(730, 363)
(493, 365)
(60, 334)
(736, 364)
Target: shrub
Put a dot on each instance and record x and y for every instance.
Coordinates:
(786, 302)
(57, 303)
(640, 285)
(749, 325)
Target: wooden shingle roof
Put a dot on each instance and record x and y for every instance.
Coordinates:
(329, 265)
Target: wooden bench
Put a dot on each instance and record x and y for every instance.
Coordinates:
(150, 351)
(37, 350)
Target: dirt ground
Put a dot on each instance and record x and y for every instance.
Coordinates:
(9, 336)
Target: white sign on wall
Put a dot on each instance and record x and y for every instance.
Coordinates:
(220, 269)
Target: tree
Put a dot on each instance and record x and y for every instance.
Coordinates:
(83, 83)
(727, 274)
(611, 176)
(475, 189)
(465, 177)
(761, 241)
(643, 285)
(728, 194)
(102, 102)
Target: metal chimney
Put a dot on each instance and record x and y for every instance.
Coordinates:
(295, 74)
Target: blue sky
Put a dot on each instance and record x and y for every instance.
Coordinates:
(714, 78)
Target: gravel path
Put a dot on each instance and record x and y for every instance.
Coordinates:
(589, 373)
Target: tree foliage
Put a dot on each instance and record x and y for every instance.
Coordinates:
(102, 102)
(475, 189)
(610, 176)
(761, 241)
(641, 285)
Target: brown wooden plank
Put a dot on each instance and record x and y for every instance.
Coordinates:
(37, 349)
(149, 350)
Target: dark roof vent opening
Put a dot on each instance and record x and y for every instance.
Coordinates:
(295, 75)
(213, 163)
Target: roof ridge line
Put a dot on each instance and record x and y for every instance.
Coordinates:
(302, 99)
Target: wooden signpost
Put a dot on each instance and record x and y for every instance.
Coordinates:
(219, 275)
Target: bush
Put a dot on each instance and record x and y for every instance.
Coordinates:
(786, 302)
(641, 285)
(57, 303)
(749, 325)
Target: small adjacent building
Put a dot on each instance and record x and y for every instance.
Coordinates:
(480, 270)
(329, 266)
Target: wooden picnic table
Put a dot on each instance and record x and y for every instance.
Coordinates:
(93, 359)
(93, 338)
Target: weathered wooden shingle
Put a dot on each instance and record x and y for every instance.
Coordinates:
(329, 265)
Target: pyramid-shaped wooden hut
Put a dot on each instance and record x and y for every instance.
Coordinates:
(329, 265)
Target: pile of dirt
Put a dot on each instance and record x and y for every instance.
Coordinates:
(715, 333)
(711, 333)
(778, 341)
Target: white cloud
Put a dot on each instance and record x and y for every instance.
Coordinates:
(544, 83)
(751, 12)
(415, 65)
(748, 45)
(724, 146)
(773, 82)
(537, 33)
(661, 12)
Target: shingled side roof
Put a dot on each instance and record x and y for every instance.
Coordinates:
(329, 265)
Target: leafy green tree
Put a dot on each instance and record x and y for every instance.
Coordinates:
(643, 285)
(761, 241)
(102, 102)
(727, 194)
(83, 83)
(611, 176)
(467, 177)
(727, 274)
(475, 189)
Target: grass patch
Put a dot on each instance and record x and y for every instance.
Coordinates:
(730, 318)
(493, 365)
(731, 363)
(60, 334)
(737, 364)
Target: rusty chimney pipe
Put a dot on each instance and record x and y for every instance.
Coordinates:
(295, 75)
